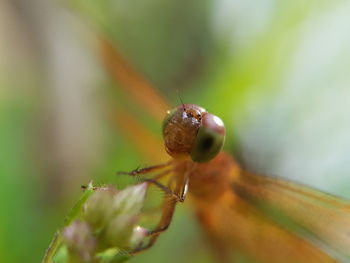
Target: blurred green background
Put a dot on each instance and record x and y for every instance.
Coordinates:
(277, 72)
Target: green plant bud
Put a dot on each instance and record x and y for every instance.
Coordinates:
(119, 231)
(98, 208)
(79, 240)
(113, 255)
(138, 235)
(127, 205)
(130, 200)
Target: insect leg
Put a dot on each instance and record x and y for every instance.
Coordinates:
(167, 215)
(178, 197)
(169, 205)
(146, 170)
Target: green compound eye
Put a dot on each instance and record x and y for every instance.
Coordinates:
(210, 139)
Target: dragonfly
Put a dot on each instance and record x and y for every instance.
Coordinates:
(266, 217)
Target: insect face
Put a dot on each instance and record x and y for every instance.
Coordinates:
(190, 131)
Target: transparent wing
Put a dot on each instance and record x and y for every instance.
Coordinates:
(293, 216)
(240, 227)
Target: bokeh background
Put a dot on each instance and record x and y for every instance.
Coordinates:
(277, 72)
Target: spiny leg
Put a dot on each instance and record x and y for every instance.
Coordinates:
(178, 197)
(146, 170)
(167, 215)
(169, 205)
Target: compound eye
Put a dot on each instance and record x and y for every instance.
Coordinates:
(210, 139)
(170, 114)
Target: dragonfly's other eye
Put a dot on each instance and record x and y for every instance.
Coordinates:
(190, 131)
(209, 140)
